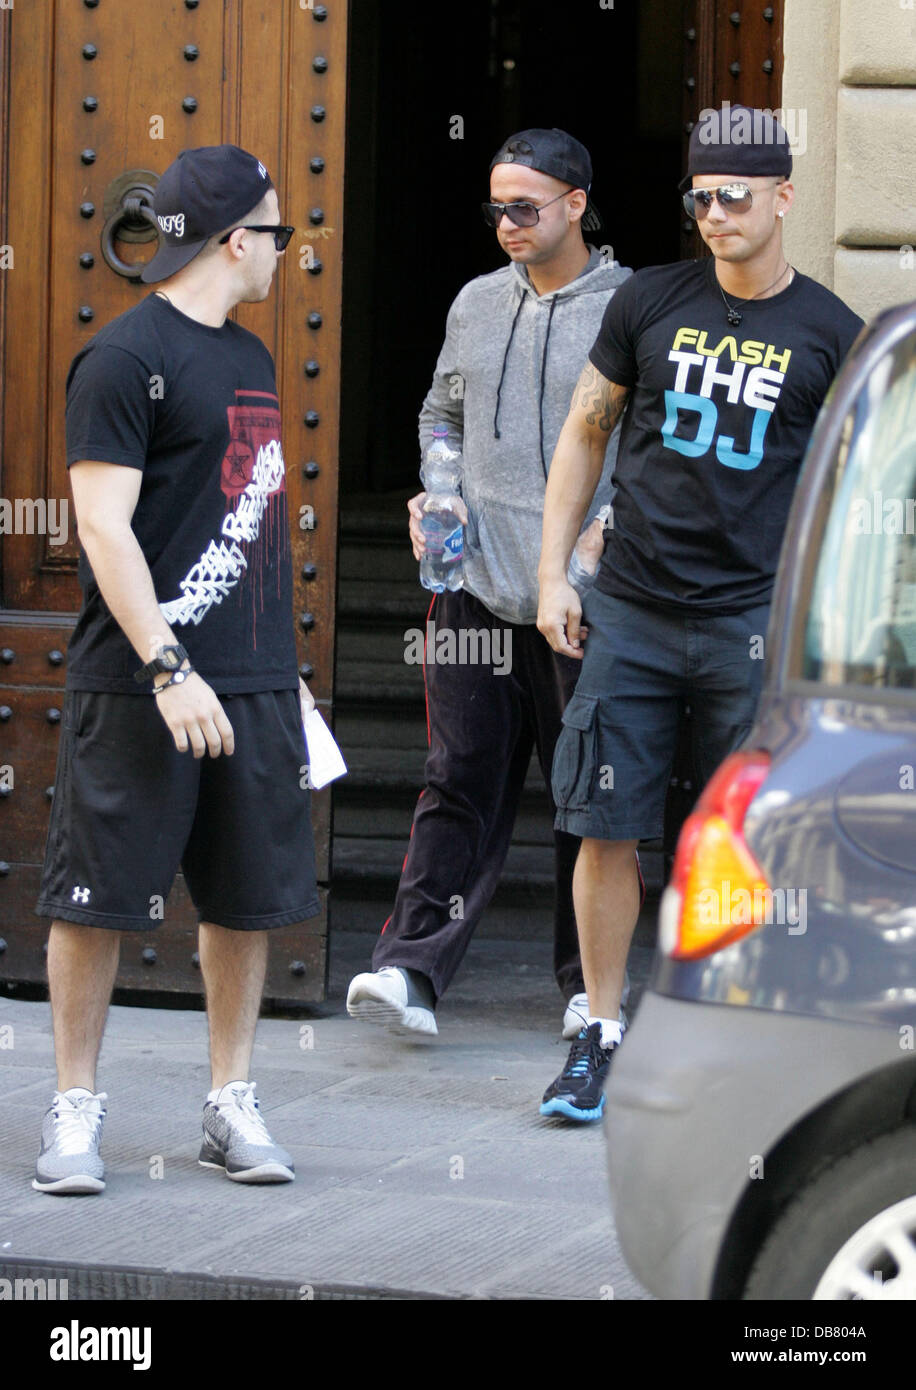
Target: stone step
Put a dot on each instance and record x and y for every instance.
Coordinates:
(365, 602)
(395, 729)
(389, 561)
(369, 684)
(384, 642)
(378, 517)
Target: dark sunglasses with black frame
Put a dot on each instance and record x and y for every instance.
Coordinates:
(734, 197)
(522, 214)
(281, 234)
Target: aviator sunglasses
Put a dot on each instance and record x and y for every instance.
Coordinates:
(734, 197)
(281, 235)
(522, 214)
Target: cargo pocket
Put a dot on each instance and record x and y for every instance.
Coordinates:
(575, 759)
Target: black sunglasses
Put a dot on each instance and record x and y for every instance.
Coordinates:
(281, 235)
(522, 214)
(734, 197)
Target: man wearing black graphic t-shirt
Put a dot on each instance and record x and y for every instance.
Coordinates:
(719, 368)
(183, 648)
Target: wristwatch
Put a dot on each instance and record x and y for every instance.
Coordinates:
(166, 659)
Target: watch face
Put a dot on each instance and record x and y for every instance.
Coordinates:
(170, 658)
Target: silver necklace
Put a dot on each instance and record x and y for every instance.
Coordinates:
(734, 317)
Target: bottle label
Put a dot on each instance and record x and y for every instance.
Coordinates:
(453, 544)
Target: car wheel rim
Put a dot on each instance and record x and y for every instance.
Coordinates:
(878, 1261)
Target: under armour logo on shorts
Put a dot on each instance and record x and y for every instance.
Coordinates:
(80, 895)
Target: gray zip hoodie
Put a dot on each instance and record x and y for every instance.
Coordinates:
(503, 384)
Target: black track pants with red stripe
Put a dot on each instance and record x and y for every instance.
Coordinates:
(485, 716)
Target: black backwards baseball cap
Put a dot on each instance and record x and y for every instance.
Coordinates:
(737, 140)
(558, 154)
(201, 193)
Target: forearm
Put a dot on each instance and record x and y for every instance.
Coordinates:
(126, 585)
(444, 403)
(574, 475)
(577, 465)
(438, 409)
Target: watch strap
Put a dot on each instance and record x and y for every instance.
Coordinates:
(158, 667)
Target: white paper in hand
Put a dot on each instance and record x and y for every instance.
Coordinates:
(325, 758)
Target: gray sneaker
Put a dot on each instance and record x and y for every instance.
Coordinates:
(236, 1138)
(71, 1132)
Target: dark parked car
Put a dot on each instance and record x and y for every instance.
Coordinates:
(761, 1116)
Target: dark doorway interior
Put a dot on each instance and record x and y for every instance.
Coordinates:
(433, 89)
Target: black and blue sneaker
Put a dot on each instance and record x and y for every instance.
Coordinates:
(578, 1092)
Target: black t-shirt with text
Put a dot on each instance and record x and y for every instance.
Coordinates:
(714, 432)
(195, 409)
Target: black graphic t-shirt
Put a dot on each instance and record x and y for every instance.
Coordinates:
(195, 408)
(714, 433)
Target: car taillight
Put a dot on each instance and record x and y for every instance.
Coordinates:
(718, 891)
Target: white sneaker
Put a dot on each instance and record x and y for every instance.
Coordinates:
(236, 1139)
(70, 1136)
(394, 997)
(577, 1014)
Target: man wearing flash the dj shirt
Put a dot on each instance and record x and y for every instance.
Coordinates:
(718, 368)
(184, 647)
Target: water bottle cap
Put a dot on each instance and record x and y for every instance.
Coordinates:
(440, 431)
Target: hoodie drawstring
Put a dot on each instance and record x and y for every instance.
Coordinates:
(502, 375)
(553, 305)
(496, 434)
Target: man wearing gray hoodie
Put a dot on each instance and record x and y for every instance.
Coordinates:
(514, 346)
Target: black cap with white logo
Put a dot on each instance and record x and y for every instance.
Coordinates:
(201, 193)
(555, 153)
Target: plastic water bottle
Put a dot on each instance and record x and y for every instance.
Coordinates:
(441, 565)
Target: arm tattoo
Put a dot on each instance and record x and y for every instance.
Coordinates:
(602, 401)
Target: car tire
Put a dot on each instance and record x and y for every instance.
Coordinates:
(836, 1229)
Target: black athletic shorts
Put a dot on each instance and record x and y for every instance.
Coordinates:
(128, 809)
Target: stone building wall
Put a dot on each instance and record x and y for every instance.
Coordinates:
(850, 82)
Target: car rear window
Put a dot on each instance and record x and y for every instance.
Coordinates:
(861, 627)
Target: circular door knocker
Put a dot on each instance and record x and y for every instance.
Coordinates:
(129, 217)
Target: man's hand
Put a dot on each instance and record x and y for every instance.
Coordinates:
(560, 618)
(195, 717)
(306, 699)
(415, 508)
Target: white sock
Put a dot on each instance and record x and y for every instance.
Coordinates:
(611, 1032)
(77, 1091)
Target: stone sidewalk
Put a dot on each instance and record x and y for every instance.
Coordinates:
(423, 1169)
